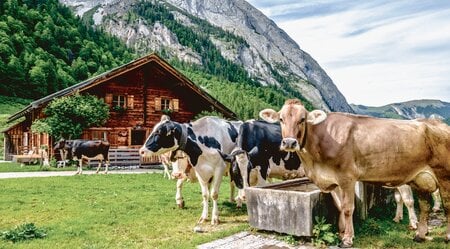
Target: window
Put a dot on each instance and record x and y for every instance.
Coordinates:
(162, 104)
(119, 100)
(100, 135)
(165, 104)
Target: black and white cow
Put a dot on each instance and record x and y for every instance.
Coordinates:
(259, 156)
(80, 149)
(200, 140)
(404, 195)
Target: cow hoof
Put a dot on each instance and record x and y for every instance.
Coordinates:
(412, 227)
(198, 229)
(435, 210)
(418, 239)
(181, 204)
(215, 222)
(201, 220)
(344, 244)
(396, 220)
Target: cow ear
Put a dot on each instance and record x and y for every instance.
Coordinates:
(165, 117)
(316, 117)
(269, 115)
(225, 157)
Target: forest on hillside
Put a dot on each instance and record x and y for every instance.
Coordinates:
(44, 48)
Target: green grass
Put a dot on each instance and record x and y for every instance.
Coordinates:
(111, 211)
(139, 211)
(10, 105)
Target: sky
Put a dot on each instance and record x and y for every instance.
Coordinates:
(376, 52)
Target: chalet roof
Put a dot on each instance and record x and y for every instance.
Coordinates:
(118, 71)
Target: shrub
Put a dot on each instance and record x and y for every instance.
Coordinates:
(323, 234)
(22, 232)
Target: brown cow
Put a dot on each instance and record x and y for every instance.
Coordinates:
(339, 149)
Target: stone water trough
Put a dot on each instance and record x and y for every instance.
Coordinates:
(287, 207)
(290, 206)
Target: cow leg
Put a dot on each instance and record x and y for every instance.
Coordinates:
(106, 166)
(99, 166)
(422, 227)
(240, 198)
(337, 198)
(444, 189)
(407, 197)
(399, 202)
(217, 180)
(437, 201)
(79, 167)
(426, 184)
(232, 191)
(166, 171)
(205, 196)
(346, 214)
(446, 201)
(178, 196)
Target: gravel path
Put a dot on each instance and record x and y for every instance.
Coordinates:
(70, 173)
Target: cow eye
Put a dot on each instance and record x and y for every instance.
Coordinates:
(281, 120)
(301, 120)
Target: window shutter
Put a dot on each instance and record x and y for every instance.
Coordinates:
(175, 105)
(130, 101)
(108, 98)
(157, 104)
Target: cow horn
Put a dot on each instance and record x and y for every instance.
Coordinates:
(253, 152)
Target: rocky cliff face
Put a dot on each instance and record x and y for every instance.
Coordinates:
(269, 48)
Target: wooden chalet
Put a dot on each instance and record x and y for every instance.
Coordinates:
(138, 92)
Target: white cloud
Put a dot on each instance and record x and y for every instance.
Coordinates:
(376, 54)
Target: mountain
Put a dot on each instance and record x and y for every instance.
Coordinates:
(228, 37)
(408, 110)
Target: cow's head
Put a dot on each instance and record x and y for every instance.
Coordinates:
(59, 145)
(293, 118)
(241, 167)
(64, 148)
(165, 137)
(181, 168)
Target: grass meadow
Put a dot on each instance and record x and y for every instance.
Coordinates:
(139, 211)
(111, 211)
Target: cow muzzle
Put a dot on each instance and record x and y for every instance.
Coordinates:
(178, 175)
(144, 151)
(289, 144)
